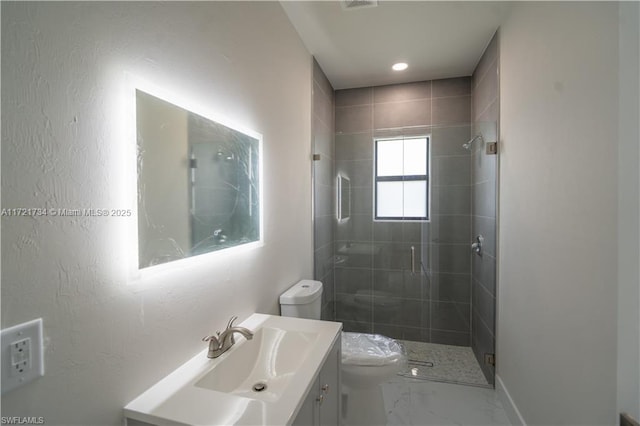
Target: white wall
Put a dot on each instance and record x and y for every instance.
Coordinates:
(557, 314)
(63, 146)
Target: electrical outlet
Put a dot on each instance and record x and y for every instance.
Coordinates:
(20, 357)
(22, 354)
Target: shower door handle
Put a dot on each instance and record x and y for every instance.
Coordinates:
(413, 259)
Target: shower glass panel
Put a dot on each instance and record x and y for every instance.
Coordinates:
(412, 279)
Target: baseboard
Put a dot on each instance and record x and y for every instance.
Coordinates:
(509, 405)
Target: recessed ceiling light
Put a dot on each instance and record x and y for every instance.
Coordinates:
(400, 66)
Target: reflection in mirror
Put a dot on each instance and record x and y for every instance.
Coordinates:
(198, 183)
(344, 198)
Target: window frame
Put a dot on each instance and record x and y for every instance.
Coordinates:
(402, 178)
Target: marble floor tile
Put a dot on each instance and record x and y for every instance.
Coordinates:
(411, 402)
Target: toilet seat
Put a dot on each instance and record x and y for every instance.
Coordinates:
(371, 350)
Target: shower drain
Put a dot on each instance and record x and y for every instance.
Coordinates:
(259, 387)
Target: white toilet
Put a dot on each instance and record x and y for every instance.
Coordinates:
(367, 359)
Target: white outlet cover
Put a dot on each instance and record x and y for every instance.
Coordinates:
(31, 334)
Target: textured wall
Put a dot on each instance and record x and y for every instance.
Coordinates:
(557, 301)
(63, 145)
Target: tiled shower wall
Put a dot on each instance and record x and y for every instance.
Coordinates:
(323, 187)
(484, 178)
(375, 290)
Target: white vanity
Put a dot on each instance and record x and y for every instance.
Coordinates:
(288, 374)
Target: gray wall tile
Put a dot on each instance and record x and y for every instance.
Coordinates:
(451, 229)
(357, 327)
(484, 199)
(320, 78)
(484, 271)
(322, 105)
(451, 87)
(405, 312)
(400, 114)
(454, 338)
(323, 231)
(486, 226)
(395, 256)
(354, 146)
(354, 307)
(361, 200)
(488, 61)
(353, 119)
(411, 231)
(359, 172)
(350, 97)
(483, 166)
(323, 262)
(451, 287)
(357, 228)
(448, 200)
(323, 171)
(353, 281)
(485, 92)
(388, 232)
(451, 170)
(453, 258)
(484, 305)
(449, 140)
(400, 284)
(360, 258)
(453, 110)
(450, 316)
(323, 137)
(483, 342)
(323, 200)
(402, 92)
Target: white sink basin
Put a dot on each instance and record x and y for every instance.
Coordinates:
(285, 355)
(270, 359)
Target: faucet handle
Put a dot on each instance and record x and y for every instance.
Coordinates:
(230, 323)
(211, 338)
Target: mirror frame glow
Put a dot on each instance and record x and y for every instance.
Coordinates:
(137, 84)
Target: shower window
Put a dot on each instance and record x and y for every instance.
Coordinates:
(402, 179)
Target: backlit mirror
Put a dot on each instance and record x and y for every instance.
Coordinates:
(344, 198)
(198, 183)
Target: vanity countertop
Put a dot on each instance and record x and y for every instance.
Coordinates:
(187, 395)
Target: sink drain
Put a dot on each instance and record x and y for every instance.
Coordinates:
(259, 387)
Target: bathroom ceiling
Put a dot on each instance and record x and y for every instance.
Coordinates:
(357, 46)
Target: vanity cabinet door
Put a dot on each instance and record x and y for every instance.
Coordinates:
(321, 407)
(329, 388)
(309, 413)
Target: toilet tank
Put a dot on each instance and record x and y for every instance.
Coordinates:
(303, 300)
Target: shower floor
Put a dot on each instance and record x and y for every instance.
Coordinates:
(443, 363)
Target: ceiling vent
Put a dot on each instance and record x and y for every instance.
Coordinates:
(358, 4)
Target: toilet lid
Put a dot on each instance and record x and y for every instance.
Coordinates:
(370, 349)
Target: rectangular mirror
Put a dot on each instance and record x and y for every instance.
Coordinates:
(344, 198)
(198, 183)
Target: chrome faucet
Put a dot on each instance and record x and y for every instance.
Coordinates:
(221, 342)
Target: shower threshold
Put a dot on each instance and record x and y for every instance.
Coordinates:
(443, 363)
